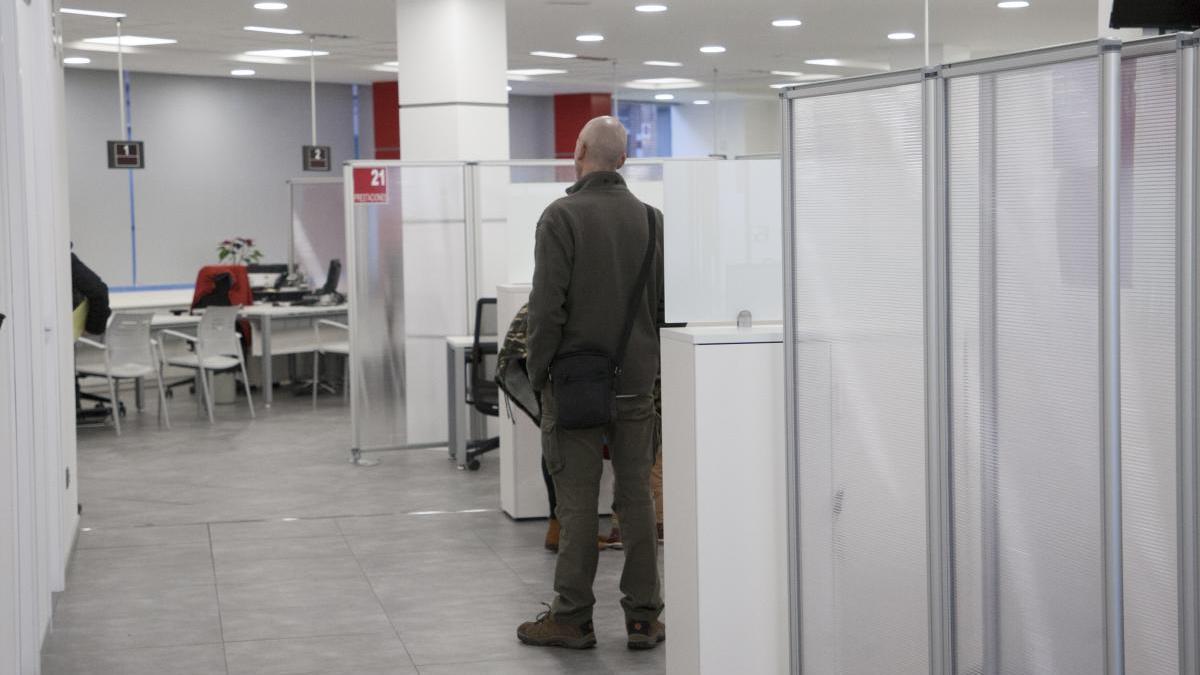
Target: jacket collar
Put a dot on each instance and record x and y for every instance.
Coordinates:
(597, 179)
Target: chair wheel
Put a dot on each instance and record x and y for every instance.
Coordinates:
(473, 465)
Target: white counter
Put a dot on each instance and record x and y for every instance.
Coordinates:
(163, 300)
(724, 464)
(522, 488)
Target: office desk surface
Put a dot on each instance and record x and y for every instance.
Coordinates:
(180, 298)
(286, 311)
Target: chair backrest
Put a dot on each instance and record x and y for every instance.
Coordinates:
(239, 291)
(128, 340)
(217, 333)
(485, 394)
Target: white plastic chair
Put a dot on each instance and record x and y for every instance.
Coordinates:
(340, 348)
(129, 354)
(218, 348)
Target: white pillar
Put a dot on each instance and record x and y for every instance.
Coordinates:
(453, 57)
(37, 436)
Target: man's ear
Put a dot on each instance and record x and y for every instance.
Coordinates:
(622, 162)
(581, 152)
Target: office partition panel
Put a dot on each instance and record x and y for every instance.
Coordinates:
(722, 243)
(1148, 191)
(318, 228)
(511, 198)
(856, 343)
(1058, 376)
(408, 292)
(1025, 291)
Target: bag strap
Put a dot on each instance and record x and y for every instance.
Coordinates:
(639, 289)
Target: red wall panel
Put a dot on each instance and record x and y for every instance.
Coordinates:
(386, 98)
(571, 112)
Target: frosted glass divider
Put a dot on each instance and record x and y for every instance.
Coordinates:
(317, 231)
(1188, 467)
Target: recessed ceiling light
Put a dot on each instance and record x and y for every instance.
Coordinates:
(267, 29)
(92, 12)
(274, 6)
(824, 62)
(1012, 4)
(651, 9)
(241, 72)
(533, 72)
(786, 23)
(589, 37)
(664, 83)
(508, 87)
(712, 49)
(286, 53)
(131, 41)
(393, 64)
(76, 60)
(261, 59)
(903, 35)
(849, 63)
(784, 85)
(787, 73)
(664, 97)
(817, 77)
(553, 55)
(665, 64)
(700, 102)
(389, 67)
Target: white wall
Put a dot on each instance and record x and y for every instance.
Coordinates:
(218, 154)
(531, 127)
(37, 440)
(745, 127)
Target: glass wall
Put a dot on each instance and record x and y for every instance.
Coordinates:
(318, 228)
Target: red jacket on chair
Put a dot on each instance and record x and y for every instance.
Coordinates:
(212, 279)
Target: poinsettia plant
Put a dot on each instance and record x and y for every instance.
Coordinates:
(239, 251)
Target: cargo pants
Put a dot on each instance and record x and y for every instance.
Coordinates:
(575, 459)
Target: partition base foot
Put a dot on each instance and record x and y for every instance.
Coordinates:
(357, 459)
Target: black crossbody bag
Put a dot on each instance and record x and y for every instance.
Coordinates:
(585, 382)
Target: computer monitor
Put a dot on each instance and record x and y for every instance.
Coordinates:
(333, 278)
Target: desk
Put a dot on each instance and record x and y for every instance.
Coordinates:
(465, 422)
(126, 301)
(262, 317)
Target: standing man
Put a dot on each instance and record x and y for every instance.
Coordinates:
(589, 254)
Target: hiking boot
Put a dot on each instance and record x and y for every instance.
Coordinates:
(552, 535)
(614, 539)
(645, 634)
(545, 631)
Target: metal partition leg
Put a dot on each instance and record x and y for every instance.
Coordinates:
(268, 374)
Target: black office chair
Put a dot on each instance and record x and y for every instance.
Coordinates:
(482, 392)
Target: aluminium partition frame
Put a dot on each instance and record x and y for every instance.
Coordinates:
(941, 588)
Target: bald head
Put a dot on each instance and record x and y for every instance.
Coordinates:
(601, 146)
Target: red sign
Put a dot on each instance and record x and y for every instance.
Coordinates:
(371, 186)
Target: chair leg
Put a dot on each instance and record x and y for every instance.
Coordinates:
(246, 385)
(163, 415)
(208, 396)
(115, 403)
(345, 378)
(316, 383)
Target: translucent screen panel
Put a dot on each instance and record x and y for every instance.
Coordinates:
(318, 228)
(410, 293)
(1025, 370)
(860, 381)
(722, 240)
(512, 199)
(1148, 413)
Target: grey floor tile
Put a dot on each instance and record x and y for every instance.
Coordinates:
(187, 660)
(300, 608)
(141, 566)
(470, 577)
(273, 529)
(535, 662)
(166, 535)
(381, 654)
(131, 617)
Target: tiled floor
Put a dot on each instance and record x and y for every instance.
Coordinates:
(253, 547)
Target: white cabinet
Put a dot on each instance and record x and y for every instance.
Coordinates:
(725, 571)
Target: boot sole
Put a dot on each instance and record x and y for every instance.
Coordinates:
(643, 642)
(582, 643)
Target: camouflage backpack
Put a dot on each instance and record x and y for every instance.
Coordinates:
(511, 374)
